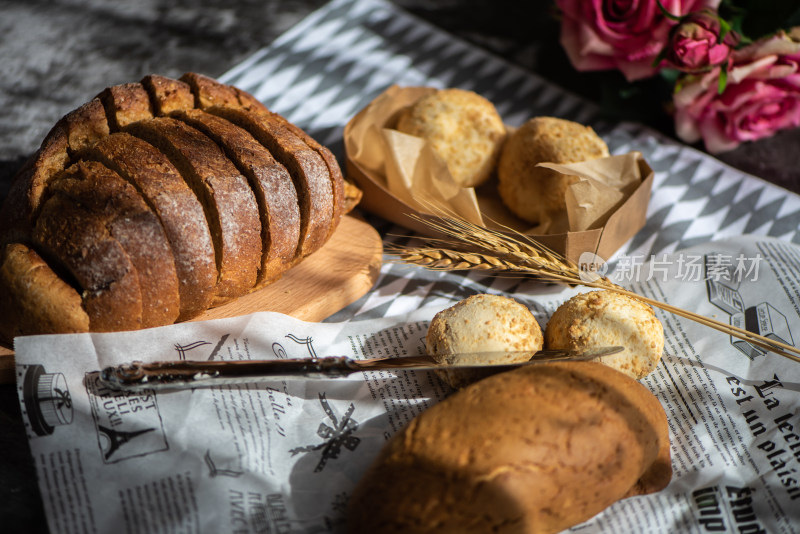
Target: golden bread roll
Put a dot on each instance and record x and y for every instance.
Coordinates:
(533, 193)
(156, 200)
(482, 323)
(608, 318)
(462, 127)
(530, 451)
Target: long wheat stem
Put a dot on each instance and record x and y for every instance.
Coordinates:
(489, 250)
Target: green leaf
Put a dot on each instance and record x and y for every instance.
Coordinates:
(724, 29)
(723, 80)
(670, 75)
(760, 18)
(662, 55)
(665, 12)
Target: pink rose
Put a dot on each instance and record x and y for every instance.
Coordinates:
(694, 43)
(762, 96)
(620, 34)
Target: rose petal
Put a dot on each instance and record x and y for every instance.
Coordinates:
(601, 35)
(761, 97)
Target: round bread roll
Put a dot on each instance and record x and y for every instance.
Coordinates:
(534, 450)
(462, 127)
(478, 324)
(533, 193)
(608, 318)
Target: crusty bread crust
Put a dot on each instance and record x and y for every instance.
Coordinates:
(606, 319)
(229, 203)
(209, 93)
(76, 131)
(536, 194)
(334, 171)
(168, 95)
(138, 230)
(179, 216)
(126, 104)
(308, 171)
(338, 184)
(70, 231)
(21, 206)
(534, 450)
(33, 297)
(271, 183)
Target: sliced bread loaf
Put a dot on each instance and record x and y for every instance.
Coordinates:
(271, 183)
(180, 212)
(229, 203)
(157, 200)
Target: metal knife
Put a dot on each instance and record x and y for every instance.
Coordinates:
(137, 376)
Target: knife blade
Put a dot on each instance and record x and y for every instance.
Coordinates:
(138, 376)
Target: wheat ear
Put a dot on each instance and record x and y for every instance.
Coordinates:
(468, 246)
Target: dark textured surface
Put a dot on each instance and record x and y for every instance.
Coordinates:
(55, 55)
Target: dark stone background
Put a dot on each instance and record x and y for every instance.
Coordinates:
(57, 54)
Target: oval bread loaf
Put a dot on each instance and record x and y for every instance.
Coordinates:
(157, 200)
(534, 450)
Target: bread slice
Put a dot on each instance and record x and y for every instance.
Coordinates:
(126, 104)
(226, 196)
(271, 183)
(210, 93)
(181, 214)
(307, 169)
(168, 95)
(78, 238)
(76, 131)
(136, 228)
(34, 299)
(334, 171)
(139, 231)
(338, 185)
(85, 126)
(24, 196)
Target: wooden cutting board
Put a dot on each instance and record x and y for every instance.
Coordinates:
(330, 279)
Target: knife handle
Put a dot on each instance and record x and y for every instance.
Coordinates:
(139, 374)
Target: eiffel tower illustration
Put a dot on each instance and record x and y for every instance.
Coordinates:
(117, 438)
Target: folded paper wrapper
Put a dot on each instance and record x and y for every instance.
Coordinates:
(404, 180)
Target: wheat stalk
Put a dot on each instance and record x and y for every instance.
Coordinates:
(468, 246)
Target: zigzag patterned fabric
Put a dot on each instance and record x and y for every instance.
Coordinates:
(327, 68)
